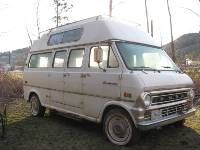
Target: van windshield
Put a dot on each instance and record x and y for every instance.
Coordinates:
(143, 57)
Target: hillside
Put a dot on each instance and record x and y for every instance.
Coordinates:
(188, 45)
(14, 58)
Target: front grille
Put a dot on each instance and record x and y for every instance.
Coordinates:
(169, 97)
(167, 111)
(171, 110)
(147, 115)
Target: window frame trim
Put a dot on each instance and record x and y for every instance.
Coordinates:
(110, 48)
(141, 44)
(108, 66)
(70, 55)
(39, 54)
(55, 57)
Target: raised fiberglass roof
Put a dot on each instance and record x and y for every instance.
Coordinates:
(94, 30)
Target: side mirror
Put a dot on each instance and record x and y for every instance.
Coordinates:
(98, 55)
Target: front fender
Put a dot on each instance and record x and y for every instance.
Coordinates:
(126, 105)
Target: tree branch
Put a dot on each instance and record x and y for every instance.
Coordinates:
(37, 17)
(171, 30)
(31, 42)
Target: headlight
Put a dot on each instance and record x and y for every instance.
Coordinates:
(147, 99)
(191, 94)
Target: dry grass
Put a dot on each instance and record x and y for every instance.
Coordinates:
(25, 132)
(194, 73)
(11, 85)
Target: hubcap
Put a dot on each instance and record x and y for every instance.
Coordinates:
(119, 129)
(34, 106)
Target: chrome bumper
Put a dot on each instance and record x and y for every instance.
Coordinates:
(146, 125)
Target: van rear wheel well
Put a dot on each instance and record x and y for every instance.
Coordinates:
(31, 94)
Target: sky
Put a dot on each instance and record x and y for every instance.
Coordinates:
(19, 16)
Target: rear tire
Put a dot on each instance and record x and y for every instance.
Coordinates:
(37, 109)
(119, 128)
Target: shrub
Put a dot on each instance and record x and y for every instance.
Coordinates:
(11, 85)
(194, 73)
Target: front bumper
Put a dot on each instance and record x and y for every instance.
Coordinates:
(146, 125)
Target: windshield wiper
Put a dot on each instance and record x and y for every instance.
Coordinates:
(167, 67)
(144, 67)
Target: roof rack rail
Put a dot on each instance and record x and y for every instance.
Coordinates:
(83, 20)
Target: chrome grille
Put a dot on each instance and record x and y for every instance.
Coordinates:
(169, 97)
(171, 110)
(147, 116)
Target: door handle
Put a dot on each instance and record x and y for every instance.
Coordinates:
(66, 75)
(88, 75)
(110, 83)
(83, 75)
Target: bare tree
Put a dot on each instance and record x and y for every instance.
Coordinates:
(192, 11)
(62, 7)
(171, 31)
(147, 17)
(29, 37)
(37, 18)
(113, 5)
(152, 28)
(110, 8)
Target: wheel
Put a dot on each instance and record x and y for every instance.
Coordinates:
(179, 123)
(37, 109)
(119, 128)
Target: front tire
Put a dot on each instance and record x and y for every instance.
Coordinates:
(119, 128)
(37, 109)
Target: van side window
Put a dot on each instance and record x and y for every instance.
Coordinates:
(65, 37)
(59, 59)
(55, 39)
(112, 61)
(109, 59)
(75, 58)
(72, 35)
(40, 60)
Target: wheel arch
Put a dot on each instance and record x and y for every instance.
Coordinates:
(33, 92)
(111, 105)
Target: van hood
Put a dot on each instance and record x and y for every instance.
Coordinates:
(164, 80)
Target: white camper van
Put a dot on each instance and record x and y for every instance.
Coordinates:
(107, 72)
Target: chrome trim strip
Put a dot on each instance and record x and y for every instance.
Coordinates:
(66, 104)
(116, 99)
(166, 105)
(73, 113)
(168, 99)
